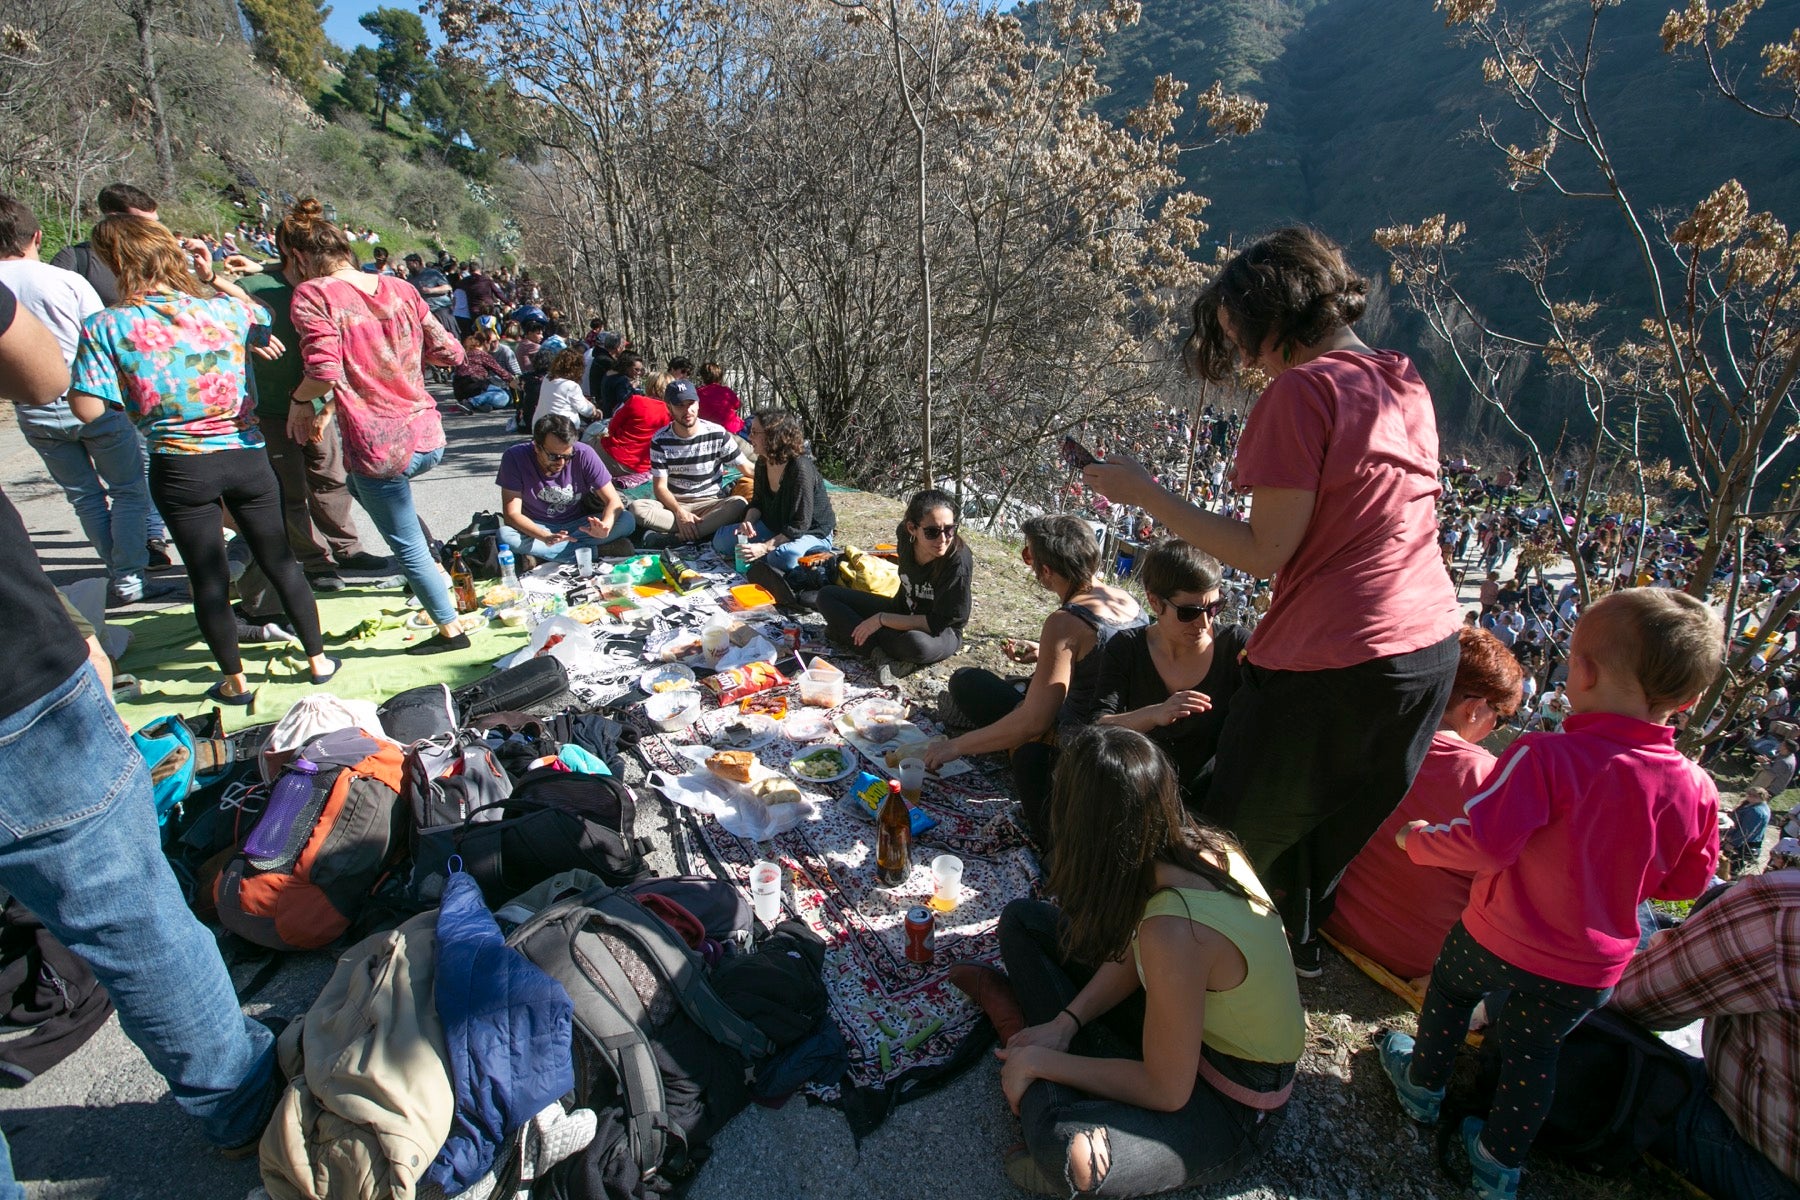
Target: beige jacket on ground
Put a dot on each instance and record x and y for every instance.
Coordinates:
(370, 1102)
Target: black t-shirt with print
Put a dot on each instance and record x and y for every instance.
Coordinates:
(940, 590)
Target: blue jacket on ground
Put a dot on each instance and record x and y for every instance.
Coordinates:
(506, 1035)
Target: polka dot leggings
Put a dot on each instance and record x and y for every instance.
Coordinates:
(1528, 1033)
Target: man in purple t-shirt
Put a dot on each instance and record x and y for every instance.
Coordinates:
(543, 486)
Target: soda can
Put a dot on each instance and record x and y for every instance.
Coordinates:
(921, 934)
(791, 635)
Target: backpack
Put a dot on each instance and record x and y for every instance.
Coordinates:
(632, 981)
(555, 821)
(48, 989)
(306, 870)
(479, 540)
(185, 754)
(449, 777)
(1618, 1088)
(426, 711)
(532, 683)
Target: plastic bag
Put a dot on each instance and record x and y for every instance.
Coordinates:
(565, 639)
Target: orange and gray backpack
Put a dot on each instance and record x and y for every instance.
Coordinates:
(333, 826)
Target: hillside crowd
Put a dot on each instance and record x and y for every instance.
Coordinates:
(1213, 802)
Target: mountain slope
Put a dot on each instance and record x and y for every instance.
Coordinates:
(1373, 108)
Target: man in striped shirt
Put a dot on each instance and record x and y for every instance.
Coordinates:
(1735, 963)
(688, 458)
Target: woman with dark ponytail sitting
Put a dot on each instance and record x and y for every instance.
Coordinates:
(1149, 1020)
(923, 622)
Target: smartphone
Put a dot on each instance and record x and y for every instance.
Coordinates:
(1075, 455)
(259, 336)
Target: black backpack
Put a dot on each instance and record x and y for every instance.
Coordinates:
(638, 990)
(478, 541)
(531, 684)
(555, 821)
(47, 989)
(1618, 1088)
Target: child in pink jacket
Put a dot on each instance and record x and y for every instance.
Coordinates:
(1567, 836)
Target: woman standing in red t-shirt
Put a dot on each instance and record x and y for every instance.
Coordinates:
(1347, 674)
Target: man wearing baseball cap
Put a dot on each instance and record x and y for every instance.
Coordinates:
(688, 458)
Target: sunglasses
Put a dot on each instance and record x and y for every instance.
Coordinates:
(937, 532)
(1187, 613)
(554, 457)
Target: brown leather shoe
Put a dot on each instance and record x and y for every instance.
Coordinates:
(993, 993)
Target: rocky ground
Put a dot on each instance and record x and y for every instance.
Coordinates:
(102, 1124)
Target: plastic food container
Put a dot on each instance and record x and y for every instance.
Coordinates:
(822, 688)
(669, 711)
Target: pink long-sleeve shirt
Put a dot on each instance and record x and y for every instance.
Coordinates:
(1568, 835)
(371, 349)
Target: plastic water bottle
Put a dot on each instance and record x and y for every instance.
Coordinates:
(509, 574)
(738, 559)
(272, 841)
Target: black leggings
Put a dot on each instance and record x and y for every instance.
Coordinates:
(1528, 1033)
(984, 698)
(845, 608)
(1209, 1139)
(1310, 763)
(188, 490)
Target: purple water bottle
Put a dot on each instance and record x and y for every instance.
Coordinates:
(272, 841)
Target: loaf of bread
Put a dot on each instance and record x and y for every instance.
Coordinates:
(732, 764)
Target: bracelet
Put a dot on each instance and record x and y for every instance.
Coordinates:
(1074, 1018)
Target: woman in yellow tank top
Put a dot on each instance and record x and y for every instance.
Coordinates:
(1169, 1063)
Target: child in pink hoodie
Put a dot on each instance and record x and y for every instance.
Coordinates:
(1567, 836)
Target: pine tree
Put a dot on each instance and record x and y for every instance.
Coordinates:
(289, 35)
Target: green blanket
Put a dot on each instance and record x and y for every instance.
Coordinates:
(175, 668)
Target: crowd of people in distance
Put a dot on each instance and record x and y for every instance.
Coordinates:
(1219, 774)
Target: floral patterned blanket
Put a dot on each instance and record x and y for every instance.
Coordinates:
(905, 1025)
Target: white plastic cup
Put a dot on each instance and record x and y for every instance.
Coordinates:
(912, 777)
(584, 559)
(765, 890)
(946, 881)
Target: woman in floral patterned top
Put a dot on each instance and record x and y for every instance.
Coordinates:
(363, 339)
(171, 354)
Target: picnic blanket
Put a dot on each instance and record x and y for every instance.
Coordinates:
(175, 668)
(828, 868)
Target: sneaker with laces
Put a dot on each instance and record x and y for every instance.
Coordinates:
(1490, 1180)
(1421, 1104)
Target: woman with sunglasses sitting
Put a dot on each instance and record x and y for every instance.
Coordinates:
(923, 622)
(1173, 680)
(1064, 559)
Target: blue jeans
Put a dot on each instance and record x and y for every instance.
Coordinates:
(100, 467)
(784, 557)
(624, 525)
(79, 846)
(1704, 1146)
(389, 503)
(492, 400)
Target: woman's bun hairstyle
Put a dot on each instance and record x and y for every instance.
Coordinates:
(1293, 286)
